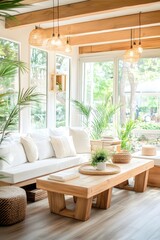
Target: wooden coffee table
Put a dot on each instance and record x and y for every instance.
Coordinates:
(86, 187)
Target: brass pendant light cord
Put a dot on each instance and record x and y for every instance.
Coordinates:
(140, 28)
(53, 19)
(58, 17)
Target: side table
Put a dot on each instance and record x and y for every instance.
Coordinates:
(12, 205)
(102, 144)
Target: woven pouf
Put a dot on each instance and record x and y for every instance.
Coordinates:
(12, 205)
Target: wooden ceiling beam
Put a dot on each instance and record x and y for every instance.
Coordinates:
(117, 36)
(74, 10)
(147, 44)
(109, 24)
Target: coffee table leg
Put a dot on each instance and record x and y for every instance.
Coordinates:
(141, 181)
(56, 202)
(83, 208)
(104, 199)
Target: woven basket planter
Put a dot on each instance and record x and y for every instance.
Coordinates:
(122, 157)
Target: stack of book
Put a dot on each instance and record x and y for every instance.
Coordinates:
(64, 175)
(111, 140)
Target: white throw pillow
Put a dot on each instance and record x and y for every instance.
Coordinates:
(61, 131)
(81, 140)
(13, 153)
(30, 148)
(39, 134)
(63, 146)
(45, 149)
(6, 161)
(43, 143)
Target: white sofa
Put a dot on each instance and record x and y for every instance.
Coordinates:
(17, 170)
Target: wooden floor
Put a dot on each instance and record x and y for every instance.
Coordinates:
(132, 216)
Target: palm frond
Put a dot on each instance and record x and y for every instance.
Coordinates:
(24, 99)
(85, 110)
(10, 6)
(8, 68)
(125, 133)
(99, 118)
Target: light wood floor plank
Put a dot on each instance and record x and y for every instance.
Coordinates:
(132, 216)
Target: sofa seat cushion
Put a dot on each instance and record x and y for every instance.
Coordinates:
(28, 171)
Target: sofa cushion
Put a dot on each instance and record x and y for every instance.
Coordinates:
(13, 154)
(39, 168)
(57, 132)
(63, 146)
(45, 149)
(39, 134)
(81, 140)
(43, 143)
(6, 160)
(30, 148)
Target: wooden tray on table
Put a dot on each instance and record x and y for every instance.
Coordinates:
(88, 169)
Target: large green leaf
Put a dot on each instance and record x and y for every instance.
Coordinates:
(9, 6)
(97, 119)
(8, 68)
(85, 110)
(24, 99)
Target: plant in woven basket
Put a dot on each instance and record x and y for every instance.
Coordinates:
(99, 156)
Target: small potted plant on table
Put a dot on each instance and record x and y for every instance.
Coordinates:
(99, 159)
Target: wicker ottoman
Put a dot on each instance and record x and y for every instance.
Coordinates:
(12, 205)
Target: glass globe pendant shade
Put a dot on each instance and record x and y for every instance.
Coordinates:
(131, 56)
(139, 48)
(51, 42)
(68, 47)
(58, 41)
(37, 36)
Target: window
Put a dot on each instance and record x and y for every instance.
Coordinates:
(139, 91)
(38, 77)
(98, 78)
(97, 108)
(62, 94)
(9, 50)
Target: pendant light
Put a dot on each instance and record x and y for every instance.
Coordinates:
(51, 43)
(140, 49)
(68, 47)
(37, 36)
(59, 41)
(132, 54)
(55, 42)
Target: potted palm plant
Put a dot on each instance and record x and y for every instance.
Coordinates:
(99, 159)
(96, 119)
(124, 134)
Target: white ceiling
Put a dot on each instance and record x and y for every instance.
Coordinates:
(125, 11)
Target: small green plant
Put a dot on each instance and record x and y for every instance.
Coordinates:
(98, 156)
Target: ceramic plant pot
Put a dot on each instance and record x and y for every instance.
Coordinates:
(101, 166)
